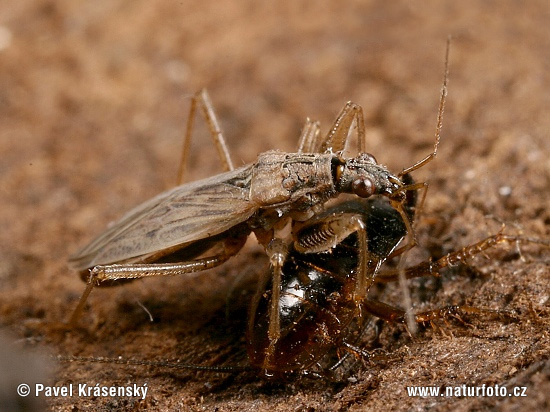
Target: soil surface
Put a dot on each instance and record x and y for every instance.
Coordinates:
(93, 103)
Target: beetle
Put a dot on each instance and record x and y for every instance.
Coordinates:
(318, 308)
(317, 315)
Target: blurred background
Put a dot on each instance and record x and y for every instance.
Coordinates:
(93, 105)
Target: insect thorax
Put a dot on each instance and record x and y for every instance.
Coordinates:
(301, 180)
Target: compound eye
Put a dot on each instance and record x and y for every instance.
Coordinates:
(369, 157)
(363, 187)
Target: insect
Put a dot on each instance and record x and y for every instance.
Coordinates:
(318, 307)
(170, 234)
(318, 314)
(314, 297)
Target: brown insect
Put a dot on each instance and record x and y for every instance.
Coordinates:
(168, 234)
(314, 298)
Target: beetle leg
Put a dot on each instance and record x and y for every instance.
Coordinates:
(203, 101)
(432, 268)
(395, 315)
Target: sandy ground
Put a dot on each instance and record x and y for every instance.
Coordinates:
(93, 102)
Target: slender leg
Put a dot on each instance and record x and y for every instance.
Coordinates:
(376, 355)
(338, 135)
(309, 137)
(411, 236)
(412, 212)
(396, 315)
(277, 252)
(203, 101)
(103, 273)
(432, 268)
(399, 206)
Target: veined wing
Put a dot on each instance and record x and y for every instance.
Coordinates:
(184, 214)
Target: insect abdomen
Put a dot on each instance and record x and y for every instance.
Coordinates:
(315, 309)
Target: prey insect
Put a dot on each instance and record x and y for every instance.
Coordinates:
(317, 317)
(320, 306)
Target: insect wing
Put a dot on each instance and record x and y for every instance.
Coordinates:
(184, 214)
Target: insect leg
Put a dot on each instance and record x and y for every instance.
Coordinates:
(411, 210)
(395, 315)
(203, 100)
(432, 268)
(406, 212)
(277, 252)
(338, 135)
(309, 136)
(103, 273)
